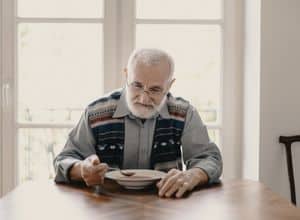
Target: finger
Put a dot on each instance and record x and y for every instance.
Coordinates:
(100, 167)
(182, 190)
(166, 177)
(86, 170)
(90, 181)
(89, 171)
(94, 178)
(168, 184)
(95, 160)
(101, 177)
(159, 184)
(174, 188)
(92, 159)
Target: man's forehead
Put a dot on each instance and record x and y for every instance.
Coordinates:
(159, 73)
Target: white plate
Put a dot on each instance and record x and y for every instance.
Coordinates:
(139, 180)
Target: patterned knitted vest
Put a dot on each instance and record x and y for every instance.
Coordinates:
(109, 133)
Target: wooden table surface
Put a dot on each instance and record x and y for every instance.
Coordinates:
(239, 199)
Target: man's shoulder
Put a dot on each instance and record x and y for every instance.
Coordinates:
(177, 101)
(107, 101)
(177, 105)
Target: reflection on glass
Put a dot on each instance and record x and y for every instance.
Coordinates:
(179, 9)
(196, 50)
(60, 70)
(36, 151)
(60, 8)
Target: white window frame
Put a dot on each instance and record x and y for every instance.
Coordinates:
(119, 37)
(232, 89)
(1, 98)
(8, 116)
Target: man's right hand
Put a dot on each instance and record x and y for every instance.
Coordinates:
(90, 170)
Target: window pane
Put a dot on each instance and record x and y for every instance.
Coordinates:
(61, 8)
(36, 151)
(196, 50)
(60, 70)
(179, 9)
(214, 135)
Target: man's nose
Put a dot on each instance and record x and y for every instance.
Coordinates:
(144, 98)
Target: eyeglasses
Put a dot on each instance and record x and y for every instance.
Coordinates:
(140, 88)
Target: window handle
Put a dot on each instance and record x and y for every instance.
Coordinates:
(5, 95)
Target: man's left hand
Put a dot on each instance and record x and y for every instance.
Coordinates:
(179, 182)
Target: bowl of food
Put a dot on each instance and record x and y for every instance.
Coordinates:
(139, 178)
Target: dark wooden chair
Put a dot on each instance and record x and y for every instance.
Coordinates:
(287, 141)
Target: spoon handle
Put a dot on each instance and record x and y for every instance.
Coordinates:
(112, 168)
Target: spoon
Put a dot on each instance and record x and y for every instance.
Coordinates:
(123, 172)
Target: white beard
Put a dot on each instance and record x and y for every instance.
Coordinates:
(142, 111)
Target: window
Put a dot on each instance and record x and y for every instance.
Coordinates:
(59, 70)
(59, 55)
(191, 31)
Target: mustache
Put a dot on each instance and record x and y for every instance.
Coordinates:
(151, 105)
(145, 105)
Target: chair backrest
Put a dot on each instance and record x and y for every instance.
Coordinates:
(287, 141)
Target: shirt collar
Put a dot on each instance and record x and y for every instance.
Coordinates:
(122, 109)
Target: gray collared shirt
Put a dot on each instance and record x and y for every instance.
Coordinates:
(197, 149)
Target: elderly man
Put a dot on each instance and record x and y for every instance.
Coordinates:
(142, 126)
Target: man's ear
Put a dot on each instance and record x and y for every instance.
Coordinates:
(171, 83)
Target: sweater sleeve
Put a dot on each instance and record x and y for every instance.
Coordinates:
(198, 150)
(79, 145)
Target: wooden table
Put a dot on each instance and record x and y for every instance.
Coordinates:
(241, 200)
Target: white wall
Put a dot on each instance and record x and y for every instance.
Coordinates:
(280, 88)
(250, 156)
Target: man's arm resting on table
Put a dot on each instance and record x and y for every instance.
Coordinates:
(75, 172)
(200, 175)
(178, 182)
(198, 150)
(79, 146)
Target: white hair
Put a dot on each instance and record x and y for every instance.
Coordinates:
(149, 57)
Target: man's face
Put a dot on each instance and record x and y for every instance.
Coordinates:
(146, 88)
